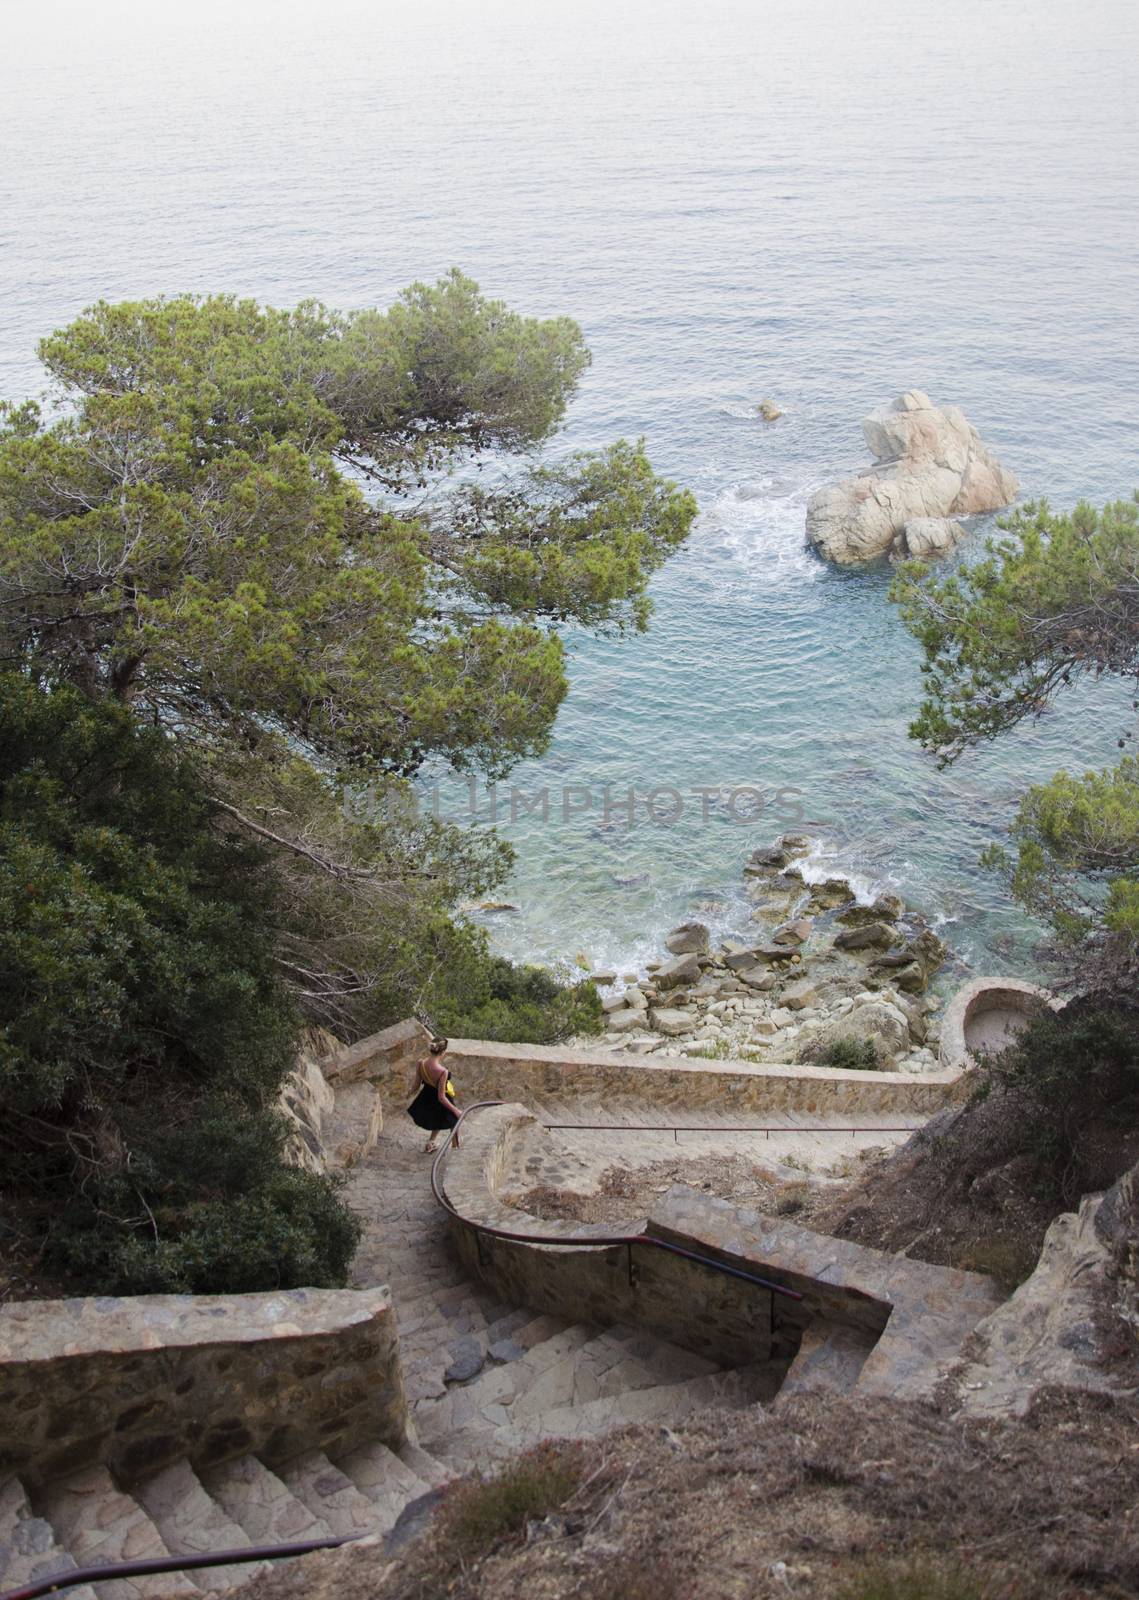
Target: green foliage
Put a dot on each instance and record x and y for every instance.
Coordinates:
(1055, 600)
(474, 995)
(1079, 1069)
(191, 532)
(144, 1031)
(261, 531)
(851, 1055)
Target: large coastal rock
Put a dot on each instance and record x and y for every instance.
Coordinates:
(932, 465)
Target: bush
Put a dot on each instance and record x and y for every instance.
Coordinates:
(851, 1055)
(487, 997)
(1079, 1069)
(144, 1034)
(480, 1513)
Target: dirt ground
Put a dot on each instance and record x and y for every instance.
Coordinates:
(820, 1497)
(625, 1194)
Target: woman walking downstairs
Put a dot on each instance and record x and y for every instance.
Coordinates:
(434, 1106)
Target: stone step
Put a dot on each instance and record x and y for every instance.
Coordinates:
(469, 1448)
(384, 1480)
(329, 1493)
(828, 1358)
(97, 1524)
(192, 1523)
(431, 1473)
(258, 1501)
(29, 1550)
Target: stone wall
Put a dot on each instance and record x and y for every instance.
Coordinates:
(363, 1078)
(137, 1384)
(913, 1315)
(488, 1071)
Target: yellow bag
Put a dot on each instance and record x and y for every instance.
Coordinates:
(449, 1091)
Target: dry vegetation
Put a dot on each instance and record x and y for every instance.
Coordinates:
(823, 1497)
(626, 1194)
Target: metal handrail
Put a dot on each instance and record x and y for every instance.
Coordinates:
(593, 1240)
(179, 1563)
(734, 1127)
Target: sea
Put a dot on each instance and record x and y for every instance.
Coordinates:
(821, 203)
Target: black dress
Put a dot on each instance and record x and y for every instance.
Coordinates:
(426, 1112)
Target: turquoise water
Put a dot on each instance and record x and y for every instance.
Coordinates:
(820, 201)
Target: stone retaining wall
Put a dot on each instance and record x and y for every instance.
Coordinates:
(138, 1384)
(488, 1071)
(725, 1319)
(913, 1314)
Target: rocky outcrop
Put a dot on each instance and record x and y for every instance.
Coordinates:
(931, 467)
(1056, 1330)
(925, 538)
(772, 998)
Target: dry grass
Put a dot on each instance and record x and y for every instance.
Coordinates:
(935, 1578)
(480, 1513)
(625, 1194)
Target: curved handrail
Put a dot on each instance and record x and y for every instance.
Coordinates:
(593, 1240)
(179, 1563)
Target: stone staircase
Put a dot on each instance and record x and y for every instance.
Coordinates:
(484, 1379)
(89, 1520)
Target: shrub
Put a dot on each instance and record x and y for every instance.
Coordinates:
(488, 997)
(480, 1513)
(1079, 1069)
(851, 1055)
(144, 1034)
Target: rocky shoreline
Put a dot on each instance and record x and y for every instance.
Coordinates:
(828, 980)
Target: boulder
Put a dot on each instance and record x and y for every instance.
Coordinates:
(917, 960)
(690, 938)
(871, 936)
(636, 998)
(625, 1021)
(669, 1021)
(683, 969)
(769, 411)
(757, 978)
(926, 538)
(746, 959)
(831, 892)
(603, 977)
(798, 995)
(793, 932)
(764, 860)
(883, 1024)
(613, 1002)
(931, 466)
(889, 906)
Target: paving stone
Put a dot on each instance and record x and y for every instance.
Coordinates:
(258, 1501)
(467, 1358)
(98, 1524)
(192, 1523)
(329, 1493)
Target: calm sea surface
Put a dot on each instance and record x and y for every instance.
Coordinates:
(820, 201)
